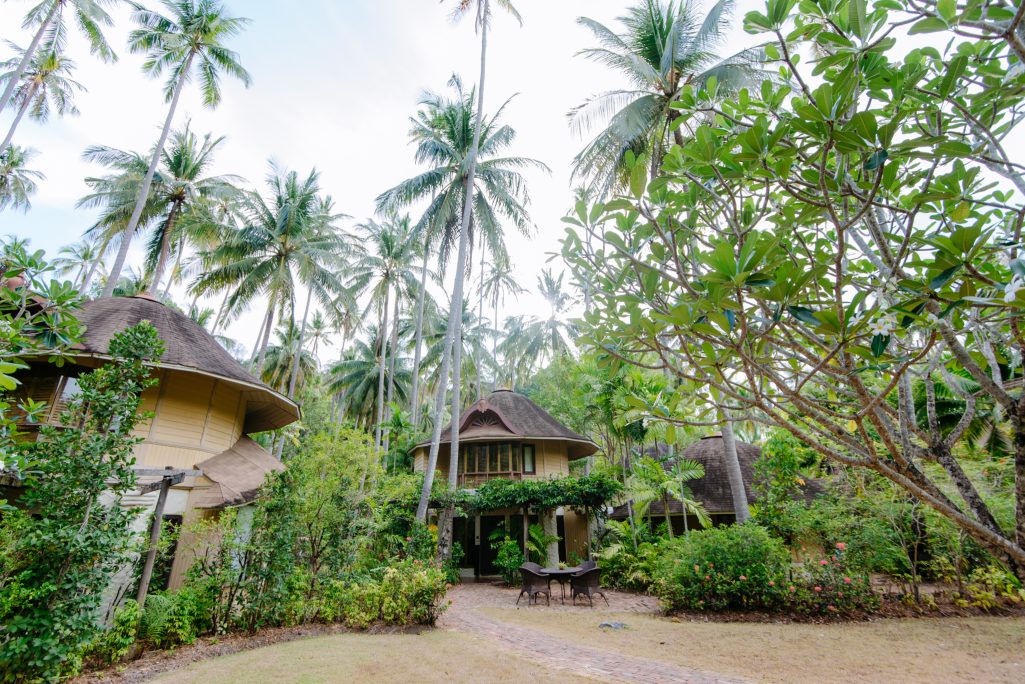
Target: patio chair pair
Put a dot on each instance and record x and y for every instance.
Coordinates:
(536, 582)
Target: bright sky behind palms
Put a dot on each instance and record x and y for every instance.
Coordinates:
(334, 82)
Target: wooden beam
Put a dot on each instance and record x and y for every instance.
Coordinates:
(154, 533)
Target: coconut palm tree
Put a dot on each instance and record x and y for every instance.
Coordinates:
(498, 284)
(82, 259)
(531, 341)
(45, 86)
(182, 206)
(49, 18)
(17, 183)
(664, 47)
(288, 362)
(287, 242)
(653, 481)
(191, 37)
(385, 272)
(355, 379)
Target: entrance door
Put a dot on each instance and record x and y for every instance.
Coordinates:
(462, 533)
(485, 554)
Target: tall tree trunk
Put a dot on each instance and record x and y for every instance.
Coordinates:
(455, 316)
(665, 512)
(262, 354)
(480, 320)
(221, 311)
(17, 118)
(26, 59)
(147, 181)
(733, 471)
(382, 338)
(165, 247)
(439, 408)
(92, 268)
(550, 524)
(391, 368)
(414, 399)
(174, 272)
(299, 347)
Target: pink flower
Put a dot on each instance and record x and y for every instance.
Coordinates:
(823, 562)
(846, 580)
(840, 594)
(772, 583)
(841, 546)
(792, 588)
(708, 577)
(818, 588)
(743, 577)
(834, 559)
(696, 567)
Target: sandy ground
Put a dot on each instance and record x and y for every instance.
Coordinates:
(946, 650)
(436, 656)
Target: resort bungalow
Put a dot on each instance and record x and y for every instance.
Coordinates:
(506, 435)
(204, 406)
(712, 490)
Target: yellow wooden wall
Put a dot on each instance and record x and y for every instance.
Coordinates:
(550, 458)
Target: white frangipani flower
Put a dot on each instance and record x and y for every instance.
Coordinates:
(1011, 290)
(883, 325)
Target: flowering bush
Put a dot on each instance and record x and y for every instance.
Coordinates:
(735, 567)
(830, 585)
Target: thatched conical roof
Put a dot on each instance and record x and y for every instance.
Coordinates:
(188, 348)
(506, 415)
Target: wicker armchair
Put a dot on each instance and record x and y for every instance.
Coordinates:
(587, 565)
(588, 583)
(535, 582)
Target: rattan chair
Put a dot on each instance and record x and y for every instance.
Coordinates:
(588, 583)
(535, 582)
(587, 565)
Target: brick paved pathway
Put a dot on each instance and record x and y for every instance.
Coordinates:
(464, 616)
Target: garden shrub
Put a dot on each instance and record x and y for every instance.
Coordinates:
(830, 585)
(114, 644)
(408, 593)
(508, 559)
(990, 588)
(624, 567)
(173, 619)
(722, 568)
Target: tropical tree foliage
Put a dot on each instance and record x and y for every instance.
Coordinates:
(841, 250)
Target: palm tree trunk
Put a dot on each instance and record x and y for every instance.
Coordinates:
(391, 367)
(480, 319)
(17, 119)
(382, 337)
(299, 347)
(414, 399)
(26, 59)
(455, 315)
(439, 408)
(494, 346)
(220, 312)
(665, 512)
(147, 181)
(733, 470)
(261, 355)
(165, 247)
(174, 271)
(92, 268)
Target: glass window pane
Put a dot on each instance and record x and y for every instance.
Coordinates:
(528, 458)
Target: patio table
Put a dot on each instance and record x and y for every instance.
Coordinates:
(561, 575)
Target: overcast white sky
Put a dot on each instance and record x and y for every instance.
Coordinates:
(334, 82)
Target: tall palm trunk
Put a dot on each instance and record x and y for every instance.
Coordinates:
(733, 471)
(456, 313)
(494, 346)
(391, 368)
(382, 337)
(26, 59)
(269, 325)
(17, 118)
(165, 246)
(147, 181)
(175, 271)
(414, 399)
(299, 347)
(480, 320)
(92, 268)
(439, 408)
(220, 311)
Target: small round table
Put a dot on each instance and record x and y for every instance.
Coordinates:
(560, 575)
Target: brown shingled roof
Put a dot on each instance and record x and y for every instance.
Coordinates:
(187, 347)
(504, 414)
(237, 473)
(713, 490)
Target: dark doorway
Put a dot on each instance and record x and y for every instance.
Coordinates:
(462, 533)
(487, 554)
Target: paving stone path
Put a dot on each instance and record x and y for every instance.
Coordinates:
(540, 647)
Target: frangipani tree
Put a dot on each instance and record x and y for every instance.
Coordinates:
(819, 253)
